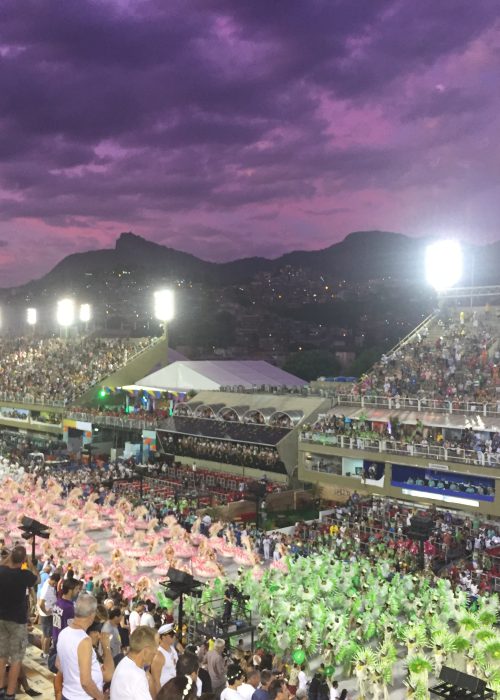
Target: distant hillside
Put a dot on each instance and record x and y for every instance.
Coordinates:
(360, 256)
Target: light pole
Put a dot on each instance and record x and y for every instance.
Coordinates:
(164, 310)
(65, 314)
(85, 315)
(31, 318)
(443, 264)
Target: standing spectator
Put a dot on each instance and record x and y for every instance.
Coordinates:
(165, 659)
(278, 690)
(302, 680)
(234, 679)
(188, 665)
(262, 693)
(135, 616)
(46, 601)
(178, 688)
(110, 627)
(62, 612)
(14, 580)
(247, 689)
(130, 680)
(217, 667)
(82, 674)
(147, 619)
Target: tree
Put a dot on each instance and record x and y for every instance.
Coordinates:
(364, 361)
(311, 364)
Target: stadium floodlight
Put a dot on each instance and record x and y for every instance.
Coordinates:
(65, 312)
(164, 305)
(443, 264)
(31, 316)
(85, 313)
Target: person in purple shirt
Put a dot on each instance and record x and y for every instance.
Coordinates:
(64, 610)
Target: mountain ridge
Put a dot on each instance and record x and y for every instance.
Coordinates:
(361, 255)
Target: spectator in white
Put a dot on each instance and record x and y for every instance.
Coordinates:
(248, 688)
(266, 545)
(163, 667)
(302, 680)
(334, 689)
(135, 616)
(46, 600)
(130, 680)
(83, 677)
(14, 580)
(234, 679)
(147, 619)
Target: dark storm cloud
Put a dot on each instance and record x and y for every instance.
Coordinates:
(138, 112)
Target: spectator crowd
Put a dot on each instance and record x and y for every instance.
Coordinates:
(60, 369)
(228, 452)
(457, 359)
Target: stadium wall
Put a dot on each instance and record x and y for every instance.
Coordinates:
(339, 486)
(232, 469)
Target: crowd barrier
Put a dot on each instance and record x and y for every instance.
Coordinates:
(431, 452)
(419, 404)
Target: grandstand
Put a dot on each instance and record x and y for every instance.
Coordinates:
(60, 371)
(431, 405)
(261, 435)
(453, 357)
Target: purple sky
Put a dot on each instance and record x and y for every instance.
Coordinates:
(230, 128)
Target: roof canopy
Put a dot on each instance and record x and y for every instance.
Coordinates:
(208, 375)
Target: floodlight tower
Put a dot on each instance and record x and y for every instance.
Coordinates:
(164, 310)
(443, 264)
(65, 314)
(85, 315)
(31, 318)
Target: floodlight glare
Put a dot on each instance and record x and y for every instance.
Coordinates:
(164, 305)
(65, 312)
(31, 316)
(443, 264)
(85, 313)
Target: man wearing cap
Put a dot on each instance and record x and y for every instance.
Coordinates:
(165, 659)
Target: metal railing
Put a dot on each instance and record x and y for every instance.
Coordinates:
(115, 421)
(419, 404)
(431, 452)
(16, 399)
(412, 333)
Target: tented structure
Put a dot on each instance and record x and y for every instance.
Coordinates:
(223, 374)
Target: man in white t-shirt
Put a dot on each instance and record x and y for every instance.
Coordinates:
(147, 619)
(302, 680)
(135, 616)
(247, 689)
(130, 680)
(46, 601)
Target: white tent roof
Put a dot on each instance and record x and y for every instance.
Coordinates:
(207, 375)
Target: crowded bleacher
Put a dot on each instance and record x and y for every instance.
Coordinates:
(60, 370)
(456, 357)
(476, 447)
(226, 451)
